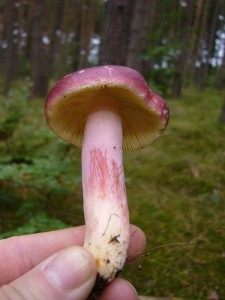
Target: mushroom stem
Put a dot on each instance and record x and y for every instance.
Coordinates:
(105, 202)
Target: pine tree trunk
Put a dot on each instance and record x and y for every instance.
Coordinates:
(1, 48)
(11, 40)
(58, 16)
(220, 77)
(198, 71)
(195, 41)
(139, 36)
(76, 21)
(182, 59)
(220, 73)
(210, 44)
(174, 23)
(116, 30)
(87, 28)
(222, 114)
(39, 71)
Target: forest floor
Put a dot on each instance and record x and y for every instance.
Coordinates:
(175, 190)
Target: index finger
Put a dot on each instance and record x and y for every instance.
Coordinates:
(20, 254)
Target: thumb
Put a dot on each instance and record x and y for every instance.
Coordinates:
(68, 275)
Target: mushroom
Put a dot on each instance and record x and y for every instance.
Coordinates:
(105, 110)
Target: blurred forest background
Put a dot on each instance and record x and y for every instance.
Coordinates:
(175, 187)
(173, 43)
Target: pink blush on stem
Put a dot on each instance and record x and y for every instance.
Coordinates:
(105, 202)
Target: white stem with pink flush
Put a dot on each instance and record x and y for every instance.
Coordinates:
(105, 202)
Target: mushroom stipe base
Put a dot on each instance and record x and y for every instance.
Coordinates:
(99, 286)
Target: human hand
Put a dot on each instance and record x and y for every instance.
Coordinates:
(53, 265)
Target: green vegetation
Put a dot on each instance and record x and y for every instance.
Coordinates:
(175, 189)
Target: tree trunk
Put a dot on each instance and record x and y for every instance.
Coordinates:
(220, 80)
(87, 29)
(20, 25)
(210, 44)
(76, 22)
(28, 28)
(39, 72)
(58, 16)
(139, 36)
(222, 114)
(174, 23)
(11, 40)
(201, 38)
(194, 41)
(220, 74)
(62, 66)
(116, 30)
(182, 59)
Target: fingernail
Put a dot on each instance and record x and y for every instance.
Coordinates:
(70, 269)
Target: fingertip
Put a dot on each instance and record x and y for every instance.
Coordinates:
(137, 243)
(119, 289)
